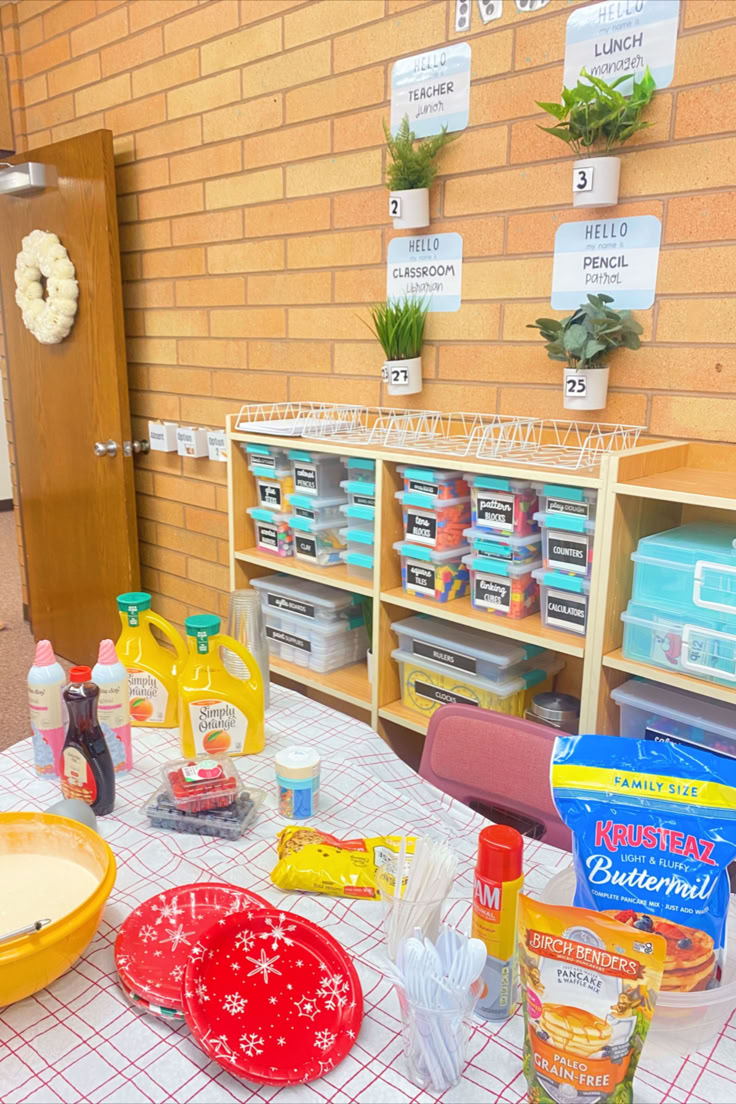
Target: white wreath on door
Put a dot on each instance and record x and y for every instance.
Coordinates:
(49, 319)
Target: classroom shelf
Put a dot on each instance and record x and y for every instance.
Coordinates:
(529, 629)
(618, 662)
(336, 576)
(398, 712)
(693, 486)
(347, 683)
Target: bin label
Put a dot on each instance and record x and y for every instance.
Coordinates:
(493, 592)
(441, 655)
(570, 553)
(288, 638)
(268, 535)
(567, 506)
(443, 697)
(306, 546)
(290, 605)
(420, 577)
(421, 527)
(270, 495)
(496, 510)
(565, 611)
(305, 478)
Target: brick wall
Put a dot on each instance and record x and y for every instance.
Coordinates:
(253, 219)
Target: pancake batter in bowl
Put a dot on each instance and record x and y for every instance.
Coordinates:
(36, 886)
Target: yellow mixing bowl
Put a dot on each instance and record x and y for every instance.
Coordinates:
(31, 962)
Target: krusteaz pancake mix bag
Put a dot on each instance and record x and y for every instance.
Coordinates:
(654, 828)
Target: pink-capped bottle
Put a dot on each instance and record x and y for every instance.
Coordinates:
(113, 705)
(46, 680)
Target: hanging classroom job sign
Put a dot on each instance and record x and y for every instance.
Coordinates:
(426, 266)
(620, 37)
(616, 256)
(433, 89)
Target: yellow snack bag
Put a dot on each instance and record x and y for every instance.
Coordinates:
(589, 985)
(316, 862)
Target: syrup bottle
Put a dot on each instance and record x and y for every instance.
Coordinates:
(86, 764)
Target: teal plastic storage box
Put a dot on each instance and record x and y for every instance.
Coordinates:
(691, 570)
(316, 473)
(360, 492)
(500, 546)
(360, 468)
(567, 543)
(314, 508)
(555, 499)
(704, 647)
(360, 517)
(433, 482)
(563, 600)
(265, 459)
(359, 565)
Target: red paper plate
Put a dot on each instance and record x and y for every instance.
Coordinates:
(155, 942)
(272, 998)
(173, 1015)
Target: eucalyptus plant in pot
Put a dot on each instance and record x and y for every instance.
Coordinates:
(594, 118)
(399, 326)
(583, 342)
(410, 173)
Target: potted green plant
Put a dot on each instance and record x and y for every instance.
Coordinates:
(399, 326)
(410, 172)
(583, 342)
(594, 118)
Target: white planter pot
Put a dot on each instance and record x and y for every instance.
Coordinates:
(586, 390)
(369, 665)
(403, 377)
(595, 181)
(409, 209)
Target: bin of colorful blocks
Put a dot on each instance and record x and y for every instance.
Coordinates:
(502, 588)
(315, 473)
(317, 542)
(436, 576)
(563, 600)
(501, 546)
(653, 712)
(441, 663)
(436, 484)
(436, 523)
(503, 505)
(266, 459)
(273, 531)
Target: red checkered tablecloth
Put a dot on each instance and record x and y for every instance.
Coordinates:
(80, 1041)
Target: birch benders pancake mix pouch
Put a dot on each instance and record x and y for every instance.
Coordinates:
(654, 828)
(589, 985)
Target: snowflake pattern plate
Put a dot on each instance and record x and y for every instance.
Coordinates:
(274, 998)
(156, 941)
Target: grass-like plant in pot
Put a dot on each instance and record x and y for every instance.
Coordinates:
(399, 326)
(583, 342)
(410, 173)
(595, 118)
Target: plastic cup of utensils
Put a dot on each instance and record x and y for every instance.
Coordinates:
(436, 1039)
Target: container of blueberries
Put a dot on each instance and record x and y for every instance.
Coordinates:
(204, 796)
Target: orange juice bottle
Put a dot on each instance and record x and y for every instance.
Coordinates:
(152, 669)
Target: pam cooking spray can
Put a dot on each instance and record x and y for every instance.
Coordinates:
(498, 880)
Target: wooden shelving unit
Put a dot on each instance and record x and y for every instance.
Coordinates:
(644, 490)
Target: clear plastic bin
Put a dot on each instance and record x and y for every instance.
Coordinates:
(273, 491)
(438, 524)
(305, 599)
(359, 565)
(704, 648)
(315, 508)
(653, 712)
(360, 492)
(468, 651)
(436, 484)
(425, 685)
(273, 531)
(317, 646)
(266, 459)
(503, 505)
(358, 540)
(316, 473)
(360, 517)
(567, 543)
(503, 589)
(496, 546)
(564, 600)
(318, 543)
(691, 570)
(557, 500)
(361, 469)
(437, 576)
(202, 783)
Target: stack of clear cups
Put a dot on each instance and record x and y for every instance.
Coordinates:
(246, 625)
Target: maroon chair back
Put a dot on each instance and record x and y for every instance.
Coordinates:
(496, 764)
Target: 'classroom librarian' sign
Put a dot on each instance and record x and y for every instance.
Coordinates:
(426, 266)
(616, 256)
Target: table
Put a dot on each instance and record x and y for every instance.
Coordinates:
(79, 1041)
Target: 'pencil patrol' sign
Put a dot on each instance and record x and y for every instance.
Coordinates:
(433, 89)
(426, 266)
(616, 256)
(621, 37)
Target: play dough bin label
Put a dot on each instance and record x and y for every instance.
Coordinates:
(218, 727)
(148, 697)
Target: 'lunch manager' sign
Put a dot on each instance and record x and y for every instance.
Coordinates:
(426, 266)
(433, 89)
(621, 37)
(616, 256)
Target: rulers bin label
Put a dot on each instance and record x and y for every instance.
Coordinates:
(448, 659)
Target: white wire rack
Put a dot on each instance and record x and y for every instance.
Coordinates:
(555, 443)
(378, 425)
(286, 419)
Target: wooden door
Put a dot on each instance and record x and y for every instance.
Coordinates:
(77, 508)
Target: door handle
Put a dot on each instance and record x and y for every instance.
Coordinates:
(106, 448)
(136, 448)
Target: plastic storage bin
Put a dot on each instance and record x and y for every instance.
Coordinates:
(317, 542)
(691, 570)
(437, 576)
(503, 505)
(315, 473)
(266, 459)
(315, 508)
(426, 685)
(566, 501)
(653, 712)
(496, 546)
(360, 492)
(303, 598)
(358, 540)
(360, 469)
(467, 651)
(504, 589)
(704, 648)
(359, 565)
(316, 646)
(567, 543)
(273, 531)
(438, 524)
(564, 600)
(274, 490)
(436, 484)
(359, 517)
